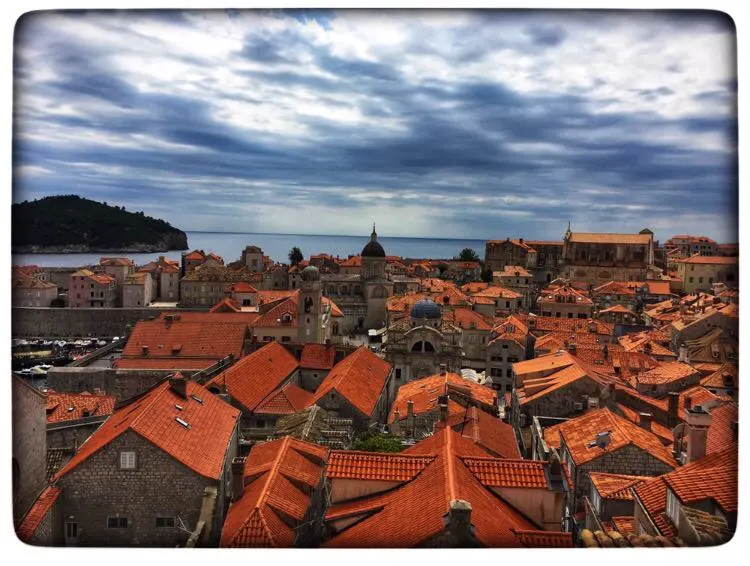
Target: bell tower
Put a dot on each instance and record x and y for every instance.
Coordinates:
(311, 318)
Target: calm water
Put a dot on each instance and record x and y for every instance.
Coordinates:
(277, 246)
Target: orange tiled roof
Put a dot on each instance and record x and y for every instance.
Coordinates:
(667, 373)
(201, 447)
(604, 238)
(359, 378)
(474, 287)
(188, 342)
(497, 292)
(569, 295)
(544, 539)
(242, 287)
(710, 260)
(413, 513)
(353, 464)
(512, 271)
(614, 288)
(37, 513)
(226, 305)
(579, 434)
(535, 388)
(354, 261)
(279, 477)
(725, 376)
(195, 255)
(721, 430)
(62, 407)
(467, 319)
(617, 308)
(494, 472)
(624, 525)
(288, 400)
(424, 393)
(492, 434)
(257, 376)
(615, 486)
(317, 356)
(116, 261)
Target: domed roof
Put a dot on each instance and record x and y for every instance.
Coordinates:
(425, 309)
(310, 273)
(373, 247)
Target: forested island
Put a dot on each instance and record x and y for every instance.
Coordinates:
(71, 224)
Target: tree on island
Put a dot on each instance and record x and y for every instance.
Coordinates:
(376, 442)
(295, 255)
(467, 254)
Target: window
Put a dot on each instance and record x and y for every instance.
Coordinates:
(261, 423)
(596, 501)
(700, 279)
(117, 522)
(398, 373)
(507, 304)
(165, 522)
(286, 339)
(691, 279)
(71, 530)
(127, 460)
(673, 507)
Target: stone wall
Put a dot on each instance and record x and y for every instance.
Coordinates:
(73, 433)
(67, 322)
(29, 447)
(121, 383)
(159, 487)
(49, 532)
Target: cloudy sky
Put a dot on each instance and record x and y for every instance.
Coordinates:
(435, 124)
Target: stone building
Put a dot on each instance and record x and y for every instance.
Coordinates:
(475, 334)
(597, 257)
(611, 501)
(87, 289)
(197, 258)
(206, 285)
(29, 457)
(165, 279)
(32, 292)
(542, 258)
(361, 292)
(252, 257)
(419, 344)
(278, 496)
(515, 278)
(73, 417)
(600, 441)
(691, 245)
(360, 387)
(136, 290)
(148, 475)
(700, 273)
(509, 342)
(459, 495)
(119, 268)
(565, 302)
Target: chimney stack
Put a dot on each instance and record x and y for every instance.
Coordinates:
(178, 384)
(683, 354)
(673, 408)
(395, 428)
(459, 523)
(698, 421)
(238, 479)
(442, 369)
(443, 412)
(644, 420)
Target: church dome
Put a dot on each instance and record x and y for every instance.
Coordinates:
(373, 247)
(310, 273)
(425, 309)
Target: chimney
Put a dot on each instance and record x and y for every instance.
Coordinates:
(683, 356)
(442, 369)
(592, 326)
(443, 411)
(644, 420)
(144, 350)
(459, 523)
(555, 468)
(698, 421)
(673, 408)
(178, 384)
(688, 403)
(238, 480)
(605, 352)
(395, 428)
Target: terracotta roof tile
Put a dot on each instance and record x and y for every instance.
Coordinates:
(202, 447)
(359, 378)
(59, 405)
(288, 400)
(256, 377)
(544, 539)
(667, 373)
(317, 356)
(494, 472)
(624, 525)
(353, 464)
(279, 476)
(492, 434)
(615, 486)
(37, 513)
(604, 238)
(710, 260)
(424, 393)
(467, 319)
(579, 435)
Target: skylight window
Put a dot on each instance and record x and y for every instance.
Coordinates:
(198, 399)
(182, 422)
(178, 407)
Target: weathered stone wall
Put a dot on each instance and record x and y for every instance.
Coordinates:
(121, 383)
(159, 487)
(72, 435)
(29, 447)
(66, 322)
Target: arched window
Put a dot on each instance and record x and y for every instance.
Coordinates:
(428, 347)
(378, 292)
(308, 304)
(417, 347)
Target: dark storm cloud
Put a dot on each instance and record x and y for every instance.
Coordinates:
(515, 152)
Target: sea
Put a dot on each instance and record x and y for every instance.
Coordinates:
(229, 245)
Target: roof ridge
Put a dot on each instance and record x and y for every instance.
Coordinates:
(149, 404)
(272, 472)
(449, 471)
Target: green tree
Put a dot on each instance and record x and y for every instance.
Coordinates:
(295, 255)
(376, 442)
(467, 254)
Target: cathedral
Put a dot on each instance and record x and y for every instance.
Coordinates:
(362, 297)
